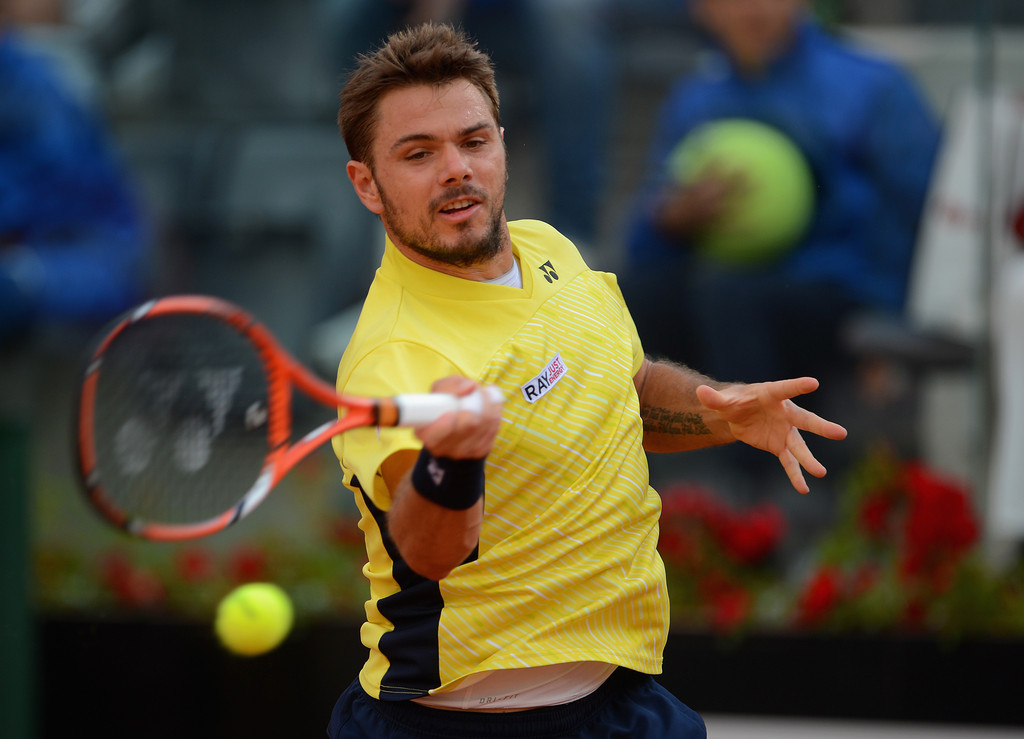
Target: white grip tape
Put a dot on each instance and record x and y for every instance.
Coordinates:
(424, 408)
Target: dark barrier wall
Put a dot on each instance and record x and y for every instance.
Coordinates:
(138, 679)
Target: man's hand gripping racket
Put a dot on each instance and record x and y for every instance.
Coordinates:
(184, 417)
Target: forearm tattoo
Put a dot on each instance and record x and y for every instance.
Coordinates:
(666, 421)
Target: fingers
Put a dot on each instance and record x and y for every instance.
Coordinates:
(797, 457)
(454, 385)
(463, 434)
(783, 389)
(764, 415)
(823, 428)
(712, 399)
(777, 391)
(793, 471)
(805, 420)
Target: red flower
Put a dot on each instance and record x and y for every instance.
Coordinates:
(730, 607)
(131, 585)
(727, 602)
(677, 546)
(940, 528)
(873, 515)
(751, 536)
(344, 530)
(690, 512)
(115, 567)
(194, 564)
(864, 578)
(820, 596)
(689, 503)
(1018, 223)
(688, 518)
(247, 564)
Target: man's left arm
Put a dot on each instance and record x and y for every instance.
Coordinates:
(683, 410)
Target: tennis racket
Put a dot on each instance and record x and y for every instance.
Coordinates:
(184, 417)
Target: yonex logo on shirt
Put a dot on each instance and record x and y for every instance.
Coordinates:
(549, 271)
(535, 389)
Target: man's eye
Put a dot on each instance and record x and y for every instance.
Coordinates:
(416, 156)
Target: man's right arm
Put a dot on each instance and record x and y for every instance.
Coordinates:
(437, 494)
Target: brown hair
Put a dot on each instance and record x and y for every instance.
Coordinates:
(430, 54)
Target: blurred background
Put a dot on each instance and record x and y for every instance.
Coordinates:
(190, 146)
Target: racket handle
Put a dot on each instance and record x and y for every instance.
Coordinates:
(420, 409)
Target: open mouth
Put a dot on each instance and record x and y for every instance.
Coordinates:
(458, 206)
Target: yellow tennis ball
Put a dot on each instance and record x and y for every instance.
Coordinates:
(254, 618)
(767, 219)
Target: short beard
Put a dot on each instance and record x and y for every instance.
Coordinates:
(463, 254)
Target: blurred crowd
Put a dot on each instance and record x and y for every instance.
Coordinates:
(73, 235)
(218, 85)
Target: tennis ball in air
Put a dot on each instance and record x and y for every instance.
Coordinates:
(773, 206)
(254, 618)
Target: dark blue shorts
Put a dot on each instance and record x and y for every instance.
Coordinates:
(629, 704)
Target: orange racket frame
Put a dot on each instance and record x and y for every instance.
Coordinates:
(283, 373)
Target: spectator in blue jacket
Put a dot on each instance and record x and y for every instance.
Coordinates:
(73, 239)
(870, 141)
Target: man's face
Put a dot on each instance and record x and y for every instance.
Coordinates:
(439, 174)
(753, 32)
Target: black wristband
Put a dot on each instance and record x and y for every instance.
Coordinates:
(452, 483)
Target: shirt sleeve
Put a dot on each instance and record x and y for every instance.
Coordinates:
(627, 319)
(391, 369)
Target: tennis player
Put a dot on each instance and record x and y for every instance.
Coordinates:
(515, 585)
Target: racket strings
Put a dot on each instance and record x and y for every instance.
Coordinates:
(181, 419)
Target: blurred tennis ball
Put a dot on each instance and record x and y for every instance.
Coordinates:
(776, 202)
(254, 618)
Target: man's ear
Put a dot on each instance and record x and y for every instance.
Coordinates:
(365, 186)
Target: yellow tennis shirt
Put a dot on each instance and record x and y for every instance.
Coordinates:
(566, 569)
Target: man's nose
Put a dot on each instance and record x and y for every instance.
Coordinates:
(455, 166)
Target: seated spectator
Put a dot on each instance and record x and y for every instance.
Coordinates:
(869, 139)
(73, 239)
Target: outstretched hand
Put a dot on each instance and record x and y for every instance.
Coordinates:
(764, 415)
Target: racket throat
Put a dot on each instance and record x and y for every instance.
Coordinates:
(386, 412)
